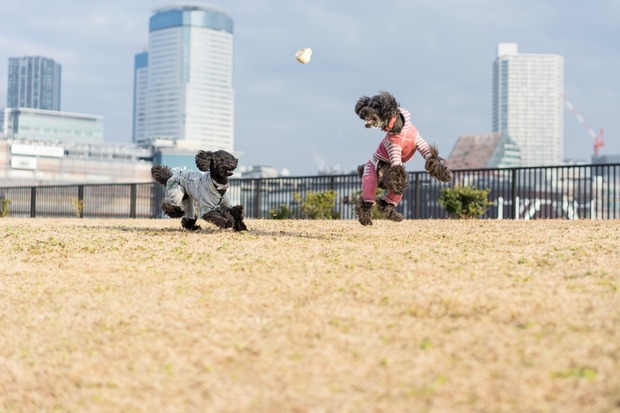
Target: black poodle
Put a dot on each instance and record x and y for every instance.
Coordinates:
(185, 188)
(385, 169)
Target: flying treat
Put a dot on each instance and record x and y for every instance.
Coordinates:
(303, 55)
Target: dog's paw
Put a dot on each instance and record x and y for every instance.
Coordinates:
(190, 224)
(396, 179)
(240, 226)
(388, 210)
(171, 210)
(363, 211)
(436, 166)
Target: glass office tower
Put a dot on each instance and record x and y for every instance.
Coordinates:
(183, 83)
(34, 82)
(528, 105)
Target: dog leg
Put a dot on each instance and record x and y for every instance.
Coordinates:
(388, 210)
(363, 211)
(221, 219)
(188, 208)
(382, 175)
(237, 214)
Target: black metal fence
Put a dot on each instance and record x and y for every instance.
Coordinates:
(571, 192)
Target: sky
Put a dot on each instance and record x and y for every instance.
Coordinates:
(435, 57)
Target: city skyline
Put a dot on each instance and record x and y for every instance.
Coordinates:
(435, 58)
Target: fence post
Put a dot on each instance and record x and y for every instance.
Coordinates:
(257, 198)
(33, 202)
(132, 200)
(416, 197)
(514, 194)
(81, 200)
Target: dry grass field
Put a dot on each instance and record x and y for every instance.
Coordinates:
(310, 316)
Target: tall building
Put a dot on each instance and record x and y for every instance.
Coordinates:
(140, 79)
(183, 84)
(34, 82)
(527, 103)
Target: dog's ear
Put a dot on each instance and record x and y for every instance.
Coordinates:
(204, 160)
(361, 102)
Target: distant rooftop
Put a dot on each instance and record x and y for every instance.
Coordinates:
(473, 151)
(191, 15)
(189, 6)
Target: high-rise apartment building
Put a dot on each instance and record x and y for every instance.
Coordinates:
(183, 84)
(140, 79)
(34, 82)
(528, 105)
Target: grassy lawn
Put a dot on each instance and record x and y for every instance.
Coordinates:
(310, 316)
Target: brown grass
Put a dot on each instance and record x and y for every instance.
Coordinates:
(310, 316)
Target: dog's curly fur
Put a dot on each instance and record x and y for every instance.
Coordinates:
(392, 178)
(436, 166)
(396, 179)
(220, 165)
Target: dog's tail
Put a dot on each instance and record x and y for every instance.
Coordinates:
(360, 170)
(161, 173)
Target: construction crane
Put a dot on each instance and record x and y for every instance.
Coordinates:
(598, 137)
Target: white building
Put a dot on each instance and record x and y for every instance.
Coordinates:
(183, 83)
(52, 125)
(25, 162)
(528, 105)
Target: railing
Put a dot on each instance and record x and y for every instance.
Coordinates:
(571, 192)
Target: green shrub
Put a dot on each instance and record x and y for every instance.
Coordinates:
(464, 202)
(283, 212)
(318, 205)
(4, 212)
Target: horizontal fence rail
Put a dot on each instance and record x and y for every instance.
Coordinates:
(569, 192)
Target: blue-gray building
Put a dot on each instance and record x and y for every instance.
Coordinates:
(33, 82)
